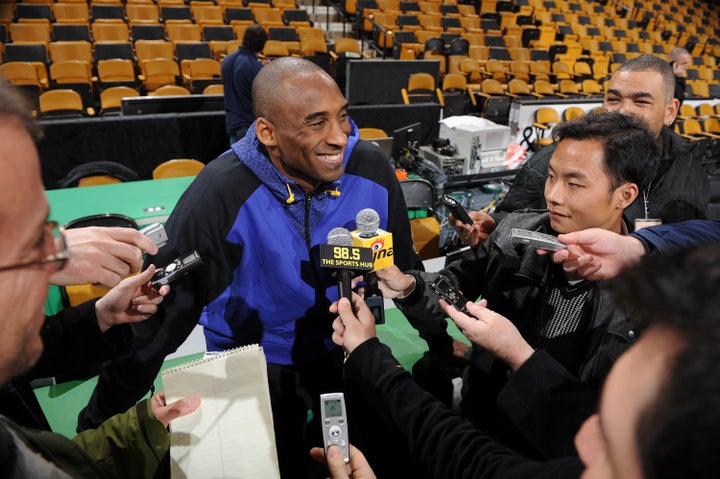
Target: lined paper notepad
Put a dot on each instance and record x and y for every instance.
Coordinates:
(231, 434)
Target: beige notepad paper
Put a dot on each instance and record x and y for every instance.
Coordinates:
(231, 434)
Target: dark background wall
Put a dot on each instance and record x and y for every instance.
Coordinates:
(144, 141)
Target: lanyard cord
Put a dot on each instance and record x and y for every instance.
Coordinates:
(646, 193)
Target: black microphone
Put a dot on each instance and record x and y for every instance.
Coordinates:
(344, 259)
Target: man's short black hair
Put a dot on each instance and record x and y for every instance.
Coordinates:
(254, 38)
(677, 432)
(629, 146)
(651, 63)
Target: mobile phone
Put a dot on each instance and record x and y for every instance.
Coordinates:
(447, 291)
(179, 267)
(457, 209)
(156, 232)
(536, 239)
(334, 423)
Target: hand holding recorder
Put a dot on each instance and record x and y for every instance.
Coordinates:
(334, 423)
(536, 239)
(132, 300)
(176, 269)
(472, 228)
(357, 468)
(103, 255)
(491, 331)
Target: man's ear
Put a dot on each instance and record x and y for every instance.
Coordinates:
(627, 192)
(671, 110)
(590, 442)
(265, 132)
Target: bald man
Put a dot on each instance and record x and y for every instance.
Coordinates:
(256, 215)
(680, 60)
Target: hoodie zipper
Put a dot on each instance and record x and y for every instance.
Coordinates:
(308, 199)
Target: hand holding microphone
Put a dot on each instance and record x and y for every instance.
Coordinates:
(369, 235)
(344, 259)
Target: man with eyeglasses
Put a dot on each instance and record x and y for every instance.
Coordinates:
(31, 250)
(76, 336)
(103, 255)
(80, 336)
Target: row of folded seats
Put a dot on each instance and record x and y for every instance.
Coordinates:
(385, 21)
(145, 64)
(142, 13)
(488, 97)
(701, 123)
(68, 103)
(89, 47)
(120, 31)
(488, 87)
(216, 37)
(88, 68)
(698, 124)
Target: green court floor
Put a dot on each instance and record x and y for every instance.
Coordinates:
(63, 402)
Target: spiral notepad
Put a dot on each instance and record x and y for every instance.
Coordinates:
(231, 434)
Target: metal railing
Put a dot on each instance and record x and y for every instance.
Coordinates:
(339, 10)
(376, 30)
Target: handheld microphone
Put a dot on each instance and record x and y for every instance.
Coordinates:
(368, 235)
(344, 259)
(380, 243)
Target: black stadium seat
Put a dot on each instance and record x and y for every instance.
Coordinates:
(107, 12)
(108, 51)
(192, 50)
(218, 32)
(147, 32)
(26, 52)
(33, 11)
(70, 32)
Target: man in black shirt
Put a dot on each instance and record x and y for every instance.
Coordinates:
(680, 60)
(535, 395)
(644, 88)
(647, 424)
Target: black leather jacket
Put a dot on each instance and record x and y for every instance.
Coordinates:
(680, 190)
(539, 408)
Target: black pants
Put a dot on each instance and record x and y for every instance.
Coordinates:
(295, 390)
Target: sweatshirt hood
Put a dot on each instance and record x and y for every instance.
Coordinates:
(252, 153)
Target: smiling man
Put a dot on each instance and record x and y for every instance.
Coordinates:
(535, 393)
(642, 87)
(256, 215)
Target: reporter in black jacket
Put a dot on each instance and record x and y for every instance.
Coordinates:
(647, 425)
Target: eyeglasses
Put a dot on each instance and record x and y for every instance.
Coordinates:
(54, 249)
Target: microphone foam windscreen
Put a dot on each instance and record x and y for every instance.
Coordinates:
(367, 221)
(339, 237)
